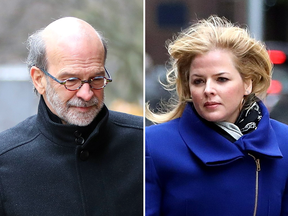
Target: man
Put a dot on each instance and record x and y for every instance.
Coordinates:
(75, 157)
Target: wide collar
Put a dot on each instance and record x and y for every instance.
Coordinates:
(214, 149)
(68, 135)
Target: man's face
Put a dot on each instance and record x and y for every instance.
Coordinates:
(81, 57)
(75, 111)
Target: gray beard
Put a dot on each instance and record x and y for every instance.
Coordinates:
(66, 111)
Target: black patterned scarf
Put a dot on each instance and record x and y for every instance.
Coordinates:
(249, 118)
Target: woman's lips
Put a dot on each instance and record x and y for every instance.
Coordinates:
(211, 104)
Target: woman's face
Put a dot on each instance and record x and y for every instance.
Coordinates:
(216, 87)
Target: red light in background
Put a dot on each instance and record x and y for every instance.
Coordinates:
(277, 56)
(275, 87)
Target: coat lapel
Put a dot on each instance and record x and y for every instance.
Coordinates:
(214, 149)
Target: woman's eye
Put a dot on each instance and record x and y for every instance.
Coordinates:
(197, 81)
(222, 79)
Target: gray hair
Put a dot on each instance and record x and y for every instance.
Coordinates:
(37, 51)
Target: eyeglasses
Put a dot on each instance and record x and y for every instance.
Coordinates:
(74, 83)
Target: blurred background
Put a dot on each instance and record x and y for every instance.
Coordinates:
(121, 23)
(267, 20)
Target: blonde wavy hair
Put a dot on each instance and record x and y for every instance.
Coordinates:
(251, 59)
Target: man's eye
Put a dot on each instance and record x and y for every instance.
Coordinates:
(73, 82)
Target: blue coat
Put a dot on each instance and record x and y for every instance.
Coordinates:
(193, 170)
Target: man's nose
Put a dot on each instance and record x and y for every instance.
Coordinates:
(85, 92)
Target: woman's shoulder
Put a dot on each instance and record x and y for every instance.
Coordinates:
(279, 126)
(162, 133)
(166, 126)
(281, 131)
(163, 138)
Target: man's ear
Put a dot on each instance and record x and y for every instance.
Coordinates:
(38, 79)
(248, 87)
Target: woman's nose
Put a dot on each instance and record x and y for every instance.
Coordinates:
(209, 87)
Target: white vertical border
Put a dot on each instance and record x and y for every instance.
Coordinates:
(144, 112)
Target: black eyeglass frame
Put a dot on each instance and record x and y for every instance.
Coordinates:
(109, 79)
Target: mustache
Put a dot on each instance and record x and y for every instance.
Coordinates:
(78, 102)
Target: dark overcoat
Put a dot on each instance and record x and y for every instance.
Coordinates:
(48, 168)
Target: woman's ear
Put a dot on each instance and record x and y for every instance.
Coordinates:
(248, 87)
(38, 79)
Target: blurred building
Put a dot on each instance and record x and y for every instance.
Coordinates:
(18, 101)
(164, 18)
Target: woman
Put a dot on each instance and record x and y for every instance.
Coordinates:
(217, 152)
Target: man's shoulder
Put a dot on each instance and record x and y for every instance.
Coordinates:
(126, 120)
(18, 135)
(126, 130)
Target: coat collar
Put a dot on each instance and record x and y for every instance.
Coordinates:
(68, 135)
(214, 149)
